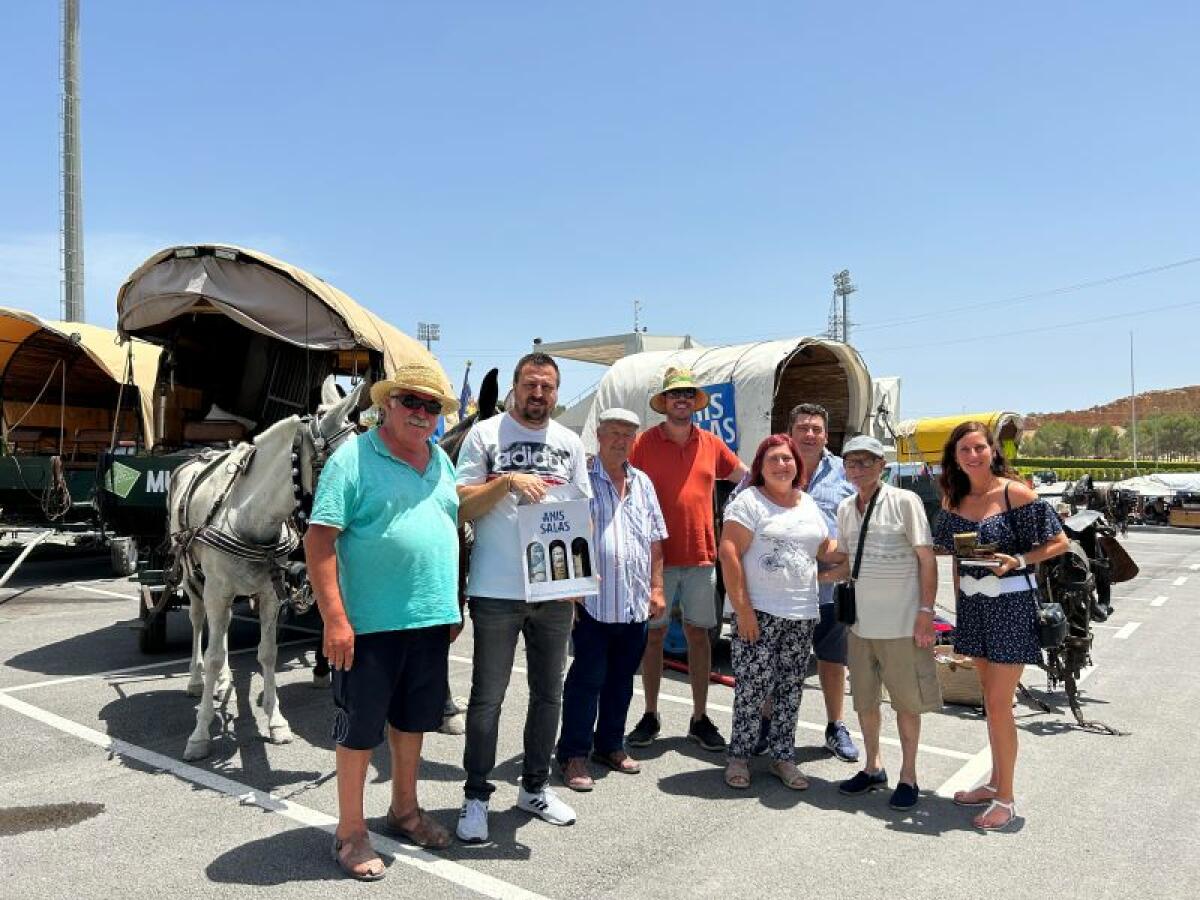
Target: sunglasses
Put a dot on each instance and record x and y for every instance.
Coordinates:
(861, 463)
(410, 401)
(681, 394)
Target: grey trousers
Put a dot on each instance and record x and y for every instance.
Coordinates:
(496, 625)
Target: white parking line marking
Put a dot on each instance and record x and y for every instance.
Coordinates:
(1158, 601)
(971, 775)
(102, 592)
(477, 882)
(1127, 630)
(811, 726)
(1180, 581)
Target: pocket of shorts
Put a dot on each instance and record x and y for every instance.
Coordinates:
(927, 681)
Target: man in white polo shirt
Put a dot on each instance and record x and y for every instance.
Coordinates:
(890, 643)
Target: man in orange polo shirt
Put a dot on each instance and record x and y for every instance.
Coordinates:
(684, 463)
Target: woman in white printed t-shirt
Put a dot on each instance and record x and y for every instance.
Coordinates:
(773, 536)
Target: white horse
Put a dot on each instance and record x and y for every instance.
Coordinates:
(230, 520)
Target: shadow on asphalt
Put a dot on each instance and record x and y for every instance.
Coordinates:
(115, 646)
(301, 854)
(933, 816)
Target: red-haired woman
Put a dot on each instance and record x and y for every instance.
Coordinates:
(772, 538)
(997, 606)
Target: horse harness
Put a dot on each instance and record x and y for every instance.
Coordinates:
(233, 463)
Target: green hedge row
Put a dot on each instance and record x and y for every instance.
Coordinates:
(1033, 463)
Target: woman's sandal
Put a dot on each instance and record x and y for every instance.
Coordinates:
(973, 797)
(789, 773)
(737, 774)
(1010, 807)
(357, 858)
(426, 833)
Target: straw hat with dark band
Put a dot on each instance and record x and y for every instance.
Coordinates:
(417, 377)
(677, 379)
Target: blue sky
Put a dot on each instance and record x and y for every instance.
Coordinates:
(512, 170)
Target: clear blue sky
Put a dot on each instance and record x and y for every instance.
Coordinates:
(523, 169)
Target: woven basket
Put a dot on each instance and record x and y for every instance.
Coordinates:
(956, 675)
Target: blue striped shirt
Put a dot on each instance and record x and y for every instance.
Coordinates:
(623, 528)
(829, 487)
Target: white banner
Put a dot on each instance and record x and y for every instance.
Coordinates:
(556, 550)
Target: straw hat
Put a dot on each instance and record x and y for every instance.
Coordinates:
(419, 377)
(676, 379)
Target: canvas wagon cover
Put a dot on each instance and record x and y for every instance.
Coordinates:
(264, 294)
(100, 344)
(922, 440)
(751, 368)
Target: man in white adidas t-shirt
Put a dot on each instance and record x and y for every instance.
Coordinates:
(522, 456)
(890, 643)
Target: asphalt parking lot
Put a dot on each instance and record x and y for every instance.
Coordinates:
(96, 799)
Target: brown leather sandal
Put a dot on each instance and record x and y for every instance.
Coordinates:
(618, 761)
(426, 833)
(357, 859)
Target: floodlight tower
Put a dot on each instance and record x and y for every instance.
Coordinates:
(843, 287)
(72, 169)
(429, 332)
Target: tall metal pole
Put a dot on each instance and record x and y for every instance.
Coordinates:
(1132, 403)
(843, 287)
(72, 169)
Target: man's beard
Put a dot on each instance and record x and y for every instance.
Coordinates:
(532, 412)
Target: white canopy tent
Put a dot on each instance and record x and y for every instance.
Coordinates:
(1162, 484)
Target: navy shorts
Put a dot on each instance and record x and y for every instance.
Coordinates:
(999, 629)
(829, 640)
(398, 678)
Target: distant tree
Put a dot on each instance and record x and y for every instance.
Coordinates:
(1106, 443)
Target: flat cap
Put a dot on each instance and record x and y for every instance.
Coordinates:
(617, 414)
(864, 443)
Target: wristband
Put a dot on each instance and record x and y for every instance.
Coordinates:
(926, 609)
(1021, 563)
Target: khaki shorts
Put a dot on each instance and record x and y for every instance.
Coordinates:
(906, 670)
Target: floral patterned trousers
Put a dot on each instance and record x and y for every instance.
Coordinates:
(773, 666)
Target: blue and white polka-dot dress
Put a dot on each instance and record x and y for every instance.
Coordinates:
(1000, 629)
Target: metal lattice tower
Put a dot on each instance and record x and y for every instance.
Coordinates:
(838, 328)
(71, 200)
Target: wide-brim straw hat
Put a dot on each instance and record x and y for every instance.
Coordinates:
(674, 380)
(418, 377)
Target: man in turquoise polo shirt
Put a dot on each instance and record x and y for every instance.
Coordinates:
(382, 553)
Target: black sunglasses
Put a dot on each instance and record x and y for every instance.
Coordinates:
(682, 393)
(410, 401)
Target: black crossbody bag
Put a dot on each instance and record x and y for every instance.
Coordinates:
(1052, 625)
(845, 607)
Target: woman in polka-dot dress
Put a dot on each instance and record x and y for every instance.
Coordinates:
(997, 606)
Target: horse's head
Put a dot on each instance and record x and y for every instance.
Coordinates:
(489, 391)
(321, 434)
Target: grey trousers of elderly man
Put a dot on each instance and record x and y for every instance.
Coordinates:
(497, 624)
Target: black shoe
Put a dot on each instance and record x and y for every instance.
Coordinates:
(705, 733)
(645, 731)
(864, 782)
(764, 733)
(905, 796)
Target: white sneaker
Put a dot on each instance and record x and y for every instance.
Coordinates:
(546, 805)
(472, 822)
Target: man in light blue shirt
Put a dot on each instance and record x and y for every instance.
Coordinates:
(610, 630)
(382, 551)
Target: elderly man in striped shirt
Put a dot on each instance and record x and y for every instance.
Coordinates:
(610, 629)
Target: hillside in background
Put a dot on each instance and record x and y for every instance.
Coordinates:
(1150, 403)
